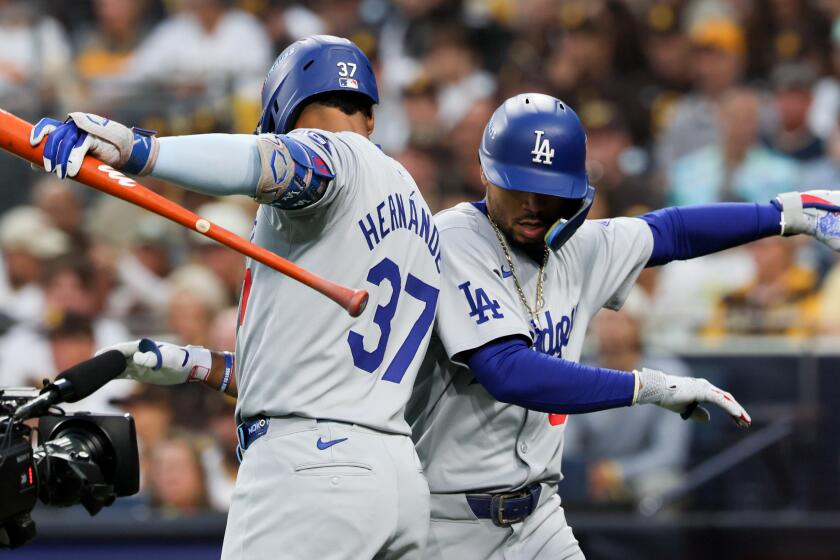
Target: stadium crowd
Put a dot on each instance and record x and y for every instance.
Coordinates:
(684, 102)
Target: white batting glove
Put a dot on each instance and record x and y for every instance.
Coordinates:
(133, 150)
(160, 363)
(814, 213)
(682, 395)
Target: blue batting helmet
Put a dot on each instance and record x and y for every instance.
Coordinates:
(313, 65)
(535, 143)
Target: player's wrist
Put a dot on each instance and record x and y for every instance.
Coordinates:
(222, 375)
(650, 386)
(199, 363)
(144, 152)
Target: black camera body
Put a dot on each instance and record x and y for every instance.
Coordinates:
(82, 458)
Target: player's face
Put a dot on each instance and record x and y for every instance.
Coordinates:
(525, 217)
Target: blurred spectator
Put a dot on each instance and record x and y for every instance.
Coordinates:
(667, 51)
(620, 456)
(228, 265)
(177, 485)
(27, 357)
(453, 68)
(28, 242)
(104, 48)
(223, 330)
(617, 168)
(139, 271)
(424, 168)
(717, 64)
(737, 169)
(67, 290)
(196, 296)
(825, 172)
(781, 31)
(825, 110)
(62, 202)
(151, 407)
(463, 171)
(792, 83)
(35, 70)
(209, 50)
(781, 299)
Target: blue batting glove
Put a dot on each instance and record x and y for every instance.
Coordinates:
(62, 137)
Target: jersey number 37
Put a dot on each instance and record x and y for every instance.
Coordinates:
(388, 271)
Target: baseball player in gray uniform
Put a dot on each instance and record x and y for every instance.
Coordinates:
(328, 467)
(523, 270)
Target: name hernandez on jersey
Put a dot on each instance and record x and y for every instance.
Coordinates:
(419, 221)
(468, 441)
(298, 354)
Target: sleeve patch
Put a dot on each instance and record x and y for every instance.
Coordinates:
(480, 304)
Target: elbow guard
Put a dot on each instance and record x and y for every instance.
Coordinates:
(292, 174)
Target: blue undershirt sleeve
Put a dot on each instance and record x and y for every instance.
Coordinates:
(513, 373)
(687, 232)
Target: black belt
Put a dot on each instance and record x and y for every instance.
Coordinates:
(505, 509)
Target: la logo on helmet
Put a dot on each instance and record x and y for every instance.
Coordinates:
(542, 151)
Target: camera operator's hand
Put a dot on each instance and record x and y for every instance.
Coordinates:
(160, 363)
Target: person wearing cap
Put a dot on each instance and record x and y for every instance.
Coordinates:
(717, 64)
(28, 242)
(793, 84)
(736, 168)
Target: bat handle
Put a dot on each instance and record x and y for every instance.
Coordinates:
(357, 303)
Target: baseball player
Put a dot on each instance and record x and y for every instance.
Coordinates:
(328, 467)
(524, 271)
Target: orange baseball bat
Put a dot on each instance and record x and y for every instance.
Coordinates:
(14, 138)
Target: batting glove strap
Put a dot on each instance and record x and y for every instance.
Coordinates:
(134, 151)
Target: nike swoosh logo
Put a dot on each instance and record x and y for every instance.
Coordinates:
(327, 444)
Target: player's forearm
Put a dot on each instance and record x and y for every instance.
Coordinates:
(688, 232)
(211, 164)
(222, 373)
(513, 373)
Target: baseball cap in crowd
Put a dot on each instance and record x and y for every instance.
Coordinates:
(719, 34)
(201, 282)
(601, 115)
(28, 229)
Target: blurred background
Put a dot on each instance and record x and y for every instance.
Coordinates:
(684, 102)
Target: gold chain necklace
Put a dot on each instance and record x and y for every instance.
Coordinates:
(540, 302)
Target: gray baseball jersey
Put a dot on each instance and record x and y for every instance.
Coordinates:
(300, 354)
(467, 441)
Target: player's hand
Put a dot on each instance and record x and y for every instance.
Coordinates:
(814, 213)
(160, 363)
(131, 150)
(683, 395)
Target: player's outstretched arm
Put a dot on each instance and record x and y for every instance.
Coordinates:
(280, 170)
(686, 232)
(511, 372)
(161, 363)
